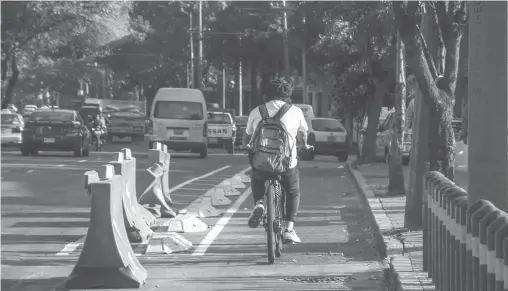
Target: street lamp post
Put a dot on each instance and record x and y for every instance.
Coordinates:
(285, 41)
(200, 38)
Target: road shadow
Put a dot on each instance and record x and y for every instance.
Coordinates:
(56, 283)
(48, 215)
(15, 239)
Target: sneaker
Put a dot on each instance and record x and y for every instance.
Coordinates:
(256, 215)
(290, 235)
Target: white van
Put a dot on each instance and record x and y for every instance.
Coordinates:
(179, 120)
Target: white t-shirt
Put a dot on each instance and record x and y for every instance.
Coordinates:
(293, 120)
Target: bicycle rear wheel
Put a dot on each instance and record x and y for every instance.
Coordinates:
(280, 219)
(270, 219)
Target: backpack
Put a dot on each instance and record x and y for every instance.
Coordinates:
(271, 150)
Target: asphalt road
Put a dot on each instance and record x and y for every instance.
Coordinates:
(45, 213)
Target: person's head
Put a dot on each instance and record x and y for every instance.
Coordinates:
(280, 89)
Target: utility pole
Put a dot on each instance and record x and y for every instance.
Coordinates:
(223, 77)
(200, 57)
(304, 65)
(191, 39)
(285, 41)
(240, 87)
(396, 173)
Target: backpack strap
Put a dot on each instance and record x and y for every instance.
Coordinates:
(282, 111)
(263, 111)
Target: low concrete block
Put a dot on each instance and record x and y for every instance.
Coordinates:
(167, 243)
(233, 183)
(218, 199)
(186, 223)
(243, 178)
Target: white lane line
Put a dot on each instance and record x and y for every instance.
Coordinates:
(30, 171)
(69, 248)
(204, 184)
(82, 161)
(191, 195)
(60, 165)
(194, 189)
(193, 179)
(219, 226)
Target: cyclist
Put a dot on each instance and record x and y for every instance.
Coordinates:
(280, 92)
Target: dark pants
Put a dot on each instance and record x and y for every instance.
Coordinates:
(290, 181)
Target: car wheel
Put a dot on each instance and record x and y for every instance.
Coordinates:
(343, 157)
(86, 151)
(231, 147)
(204, 153)
(150, 145)
(405, 161)
(34, 152)
(79, 151)
(25, 152)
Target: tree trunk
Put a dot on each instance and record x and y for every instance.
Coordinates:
(396, 174)
(254, 97)
(265, 80)
(439, 94)
(373, 113)
(11, 84)
(420, 139)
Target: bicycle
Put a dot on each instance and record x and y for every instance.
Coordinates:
(274, 217)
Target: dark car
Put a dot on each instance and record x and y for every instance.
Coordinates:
(241, 125)
(55, 130)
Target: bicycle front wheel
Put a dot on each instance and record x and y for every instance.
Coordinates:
(270, 217)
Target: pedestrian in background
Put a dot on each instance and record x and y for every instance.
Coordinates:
(410, 111)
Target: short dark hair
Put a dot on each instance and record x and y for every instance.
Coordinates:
(279, 89)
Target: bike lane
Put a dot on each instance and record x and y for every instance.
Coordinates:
(337, 250)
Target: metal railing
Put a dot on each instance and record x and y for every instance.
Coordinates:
(464, 248)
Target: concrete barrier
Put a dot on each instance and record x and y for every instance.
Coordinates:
(157, 193)
(132, 187)
(125, 166)
(465, 249)
(107, 259)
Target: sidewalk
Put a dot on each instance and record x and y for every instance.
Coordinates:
(403, 248)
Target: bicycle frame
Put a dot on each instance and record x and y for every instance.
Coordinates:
(273, 220)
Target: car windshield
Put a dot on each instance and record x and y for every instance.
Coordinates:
(241, 120)
(178, 110)
(10, 119)
(219, 118)
(329, 125)
(52, 116)
(85, 111)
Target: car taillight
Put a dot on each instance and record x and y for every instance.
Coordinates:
(311, 139)
(150, 126)
(205, 129)
(17, 129)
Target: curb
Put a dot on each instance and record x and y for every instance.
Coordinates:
(397, 273)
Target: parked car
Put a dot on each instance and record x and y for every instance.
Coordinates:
(241, 125)
(221, 131)
(329, 137)
(55, 130)
(12, 128)
(384, 139)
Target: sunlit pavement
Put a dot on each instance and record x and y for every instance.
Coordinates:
(45, 209)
